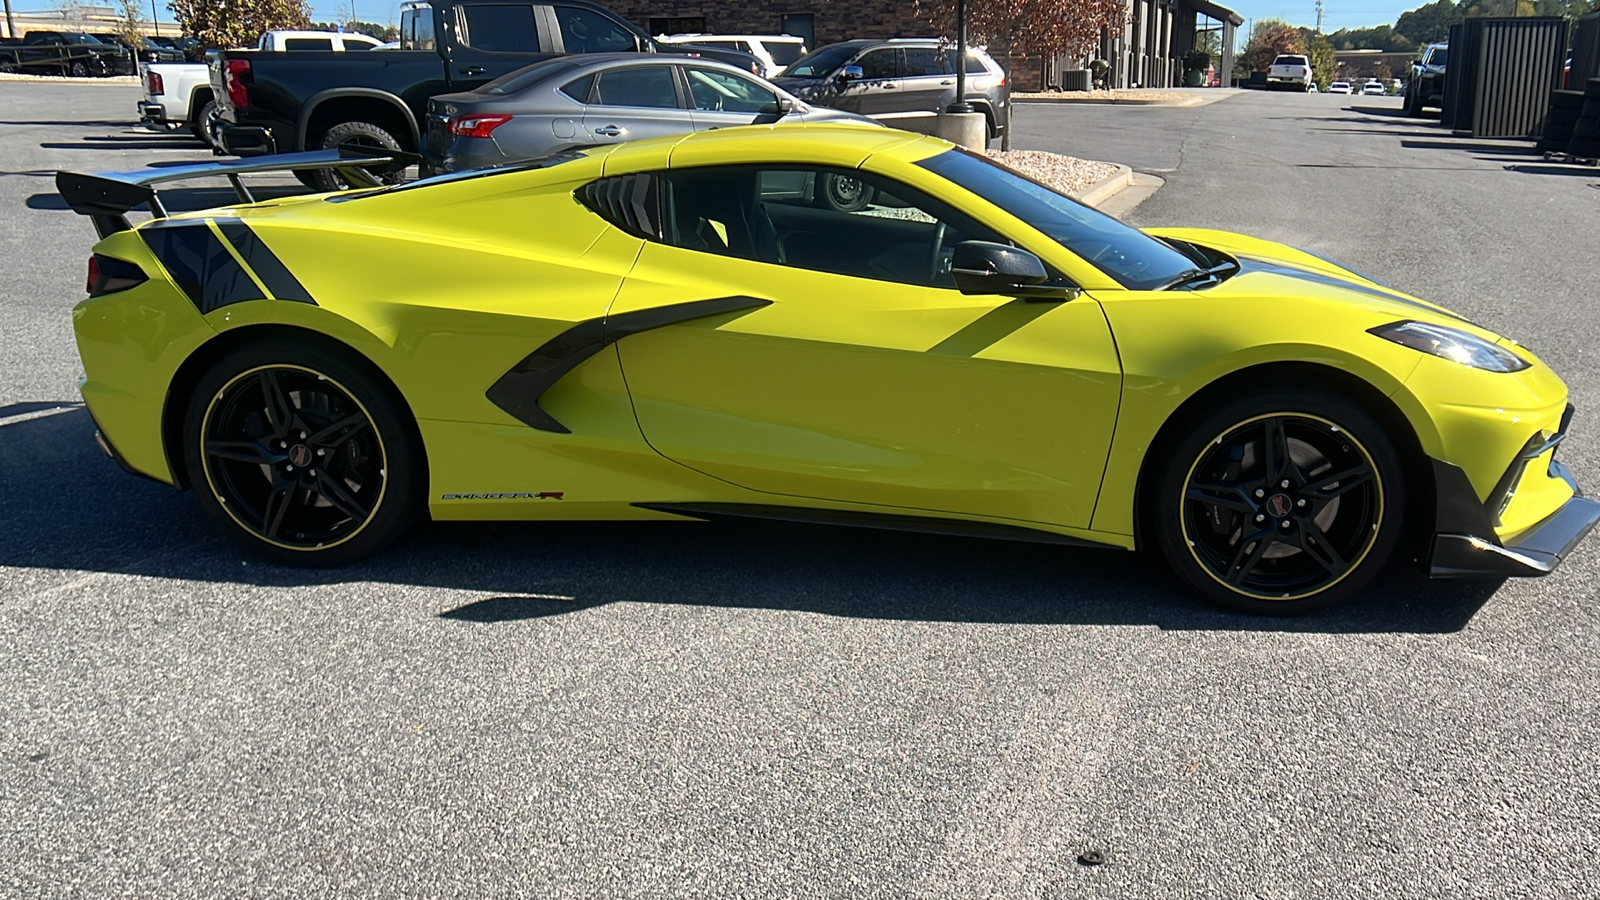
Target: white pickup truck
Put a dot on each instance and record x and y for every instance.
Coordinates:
(1292, 71)
(176, 95)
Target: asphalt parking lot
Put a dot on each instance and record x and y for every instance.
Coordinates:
(776, 711)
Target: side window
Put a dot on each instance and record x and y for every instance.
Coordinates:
(926, 62)
(579, 90)
(424, 30)
(355, 45)
(499, 27)
(307, 44)
(975, 66)
(586, 31)
(726, 92)
(646, 86)
(880, 64)
(839, 221)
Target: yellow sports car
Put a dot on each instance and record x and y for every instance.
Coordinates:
(834, 324)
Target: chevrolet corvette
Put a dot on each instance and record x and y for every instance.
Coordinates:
(692, 328)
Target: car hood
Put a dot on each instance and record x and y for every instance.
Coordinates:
(1270, 269)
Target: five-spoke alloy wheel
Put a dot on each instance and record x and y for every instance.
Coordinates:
(1280, 503)
(305, 455)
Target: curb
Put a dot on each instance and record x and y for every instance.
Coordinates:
(1213, 95)
(1106, 188)
(110, 81)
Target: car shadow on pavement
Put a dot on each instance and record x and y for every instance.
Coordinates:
(1555, 169)
(157, 143)
(87, 515)
(1470, 146)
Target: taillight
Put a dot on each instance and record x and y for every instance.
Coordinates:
(107, 276)
(153, 83)
(238, 97)
(477, 126)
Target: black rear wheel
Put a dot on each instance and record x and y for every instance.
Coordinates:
(363, 135)
(304, 456)
(1280, 503)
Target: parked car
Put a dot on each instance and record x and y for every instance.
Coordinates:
(280, 102)
(597, 99)
(1291, 71)
(774, 50)
(902, 82)
(606, 336)
(177, 95)
(336, 41)
(149, 53)
(1426, 85)
(1373, 88)
(1339, 87)
(72, 53)
(190, 47)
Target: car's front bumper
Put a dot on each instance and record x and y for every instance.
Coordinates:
(1470, 537)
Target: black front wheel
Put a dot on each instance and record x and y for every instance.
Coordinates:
(1279, 503)
(304, 456)
(362, 135)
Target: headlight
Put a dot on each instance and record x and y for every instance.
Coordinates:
(1456, 346)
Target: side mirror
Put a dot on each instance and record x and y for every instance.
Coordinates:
(851, 73)
(784, 106)
(984, 267)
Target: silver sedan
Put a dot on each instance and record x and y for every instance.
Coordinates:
(594, 99)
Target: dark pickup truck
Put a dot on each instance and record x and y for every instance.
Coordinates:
(64, 53)
(283, 102)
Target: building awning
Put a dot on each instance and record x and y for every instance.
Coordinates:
(1221, 14)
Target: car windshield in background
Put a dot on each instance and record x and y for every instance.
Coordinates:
(784, 52)
(1135, 259)
(1437, 59)
(821, 63)
(513, 82)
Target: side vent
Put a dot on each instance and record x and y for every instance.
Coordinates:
(630, 202)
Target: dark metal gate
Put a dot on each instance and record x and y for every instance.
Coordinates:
(1500, 75)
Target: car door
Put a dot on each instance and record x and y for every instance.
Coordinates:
(877, 92)
(630, 102)
(492, 39)
(929, 84)
(722, 99)
(826, 354)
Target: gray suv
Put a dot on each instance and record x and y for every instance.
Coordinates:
(898, 81)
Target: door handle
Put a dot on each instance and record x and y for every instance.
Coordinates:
(888, 86)
(947, 82)
(608, 130)
(472, 70)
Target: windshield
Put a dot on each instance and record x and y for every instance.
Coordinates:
(1136, 260)
(1437, 57)
(79, 38)
(821, 63)
(784, 52)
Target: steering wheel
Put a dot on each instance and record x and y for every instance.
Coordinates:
(934, 255)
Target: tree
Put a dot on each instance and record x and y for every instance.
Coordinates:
(1382, 37)
(1429, 24)
(371, 29)
(1030, 27)
(130, 22)
(1269, 39)
(72, 13)
(1324, 68)
(235, 23)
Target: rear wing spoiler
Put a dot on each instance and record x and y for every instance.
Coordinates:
(106, 198)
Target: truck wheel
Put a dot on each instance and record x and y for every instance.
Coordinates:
(354, 134)
(199, 122)
(80, 69)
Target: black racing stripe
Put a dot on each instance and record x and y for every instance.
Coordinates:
(199, 264)
(518, 391)
(266, 264)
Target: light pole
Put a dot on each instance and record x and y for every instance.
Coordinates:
(961, 105)
(155, 18)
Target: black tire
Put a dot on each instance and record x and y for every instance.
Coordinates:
(198, 121)
(1586, 129)
(358, 134)
(842, 193)
(1211, 495)
(1414, 102)
(79, 69)
(327, 471)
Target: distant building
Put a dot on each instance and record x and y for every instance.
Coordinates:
(1364, 64)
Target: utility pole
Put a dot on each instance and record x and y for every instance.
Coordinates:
(1319, 16)
(11, 24)
(155, 17)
